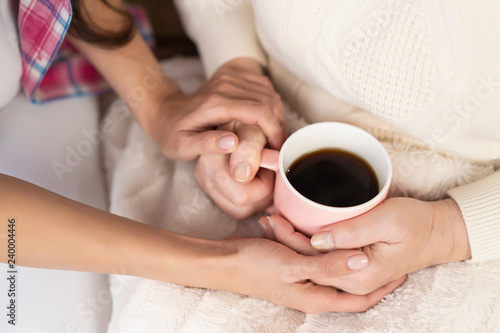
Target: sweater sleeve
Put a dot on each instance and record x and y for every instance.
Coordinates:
(222, 31)
(479, 202)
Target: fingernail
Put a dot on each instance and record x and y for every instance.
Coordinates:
(323, 241)
(227, 142)
(242, 171)
(357, 261)
(263, 224)
(270, 221)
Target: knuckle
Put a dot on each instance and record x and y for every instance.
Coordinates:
(222, 85)
(345, 237)
(210, 188)
(202, 163)
(208, 144)
(240, 199)
(265, 113)
(271, 103)
(239, 215)
(223, 76)
(223, 179)
(212, 99)
(248, 150)
(264, 80)
(330, 269)
(278, 110)
(278, 107)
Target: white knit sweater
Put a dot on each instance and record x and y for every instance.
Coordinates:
(425, 72)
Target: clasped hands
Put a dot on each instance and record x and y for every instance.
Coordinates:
(347, 266)
(400, 236)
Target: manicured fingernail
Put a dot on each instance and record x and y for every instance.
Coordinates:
(270, 221)
(357, 261)
(227, 142)
(263, 224)
(242, 171)
(323, 241)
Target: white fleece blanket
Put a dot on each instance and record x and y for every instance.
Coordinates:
(145, 186)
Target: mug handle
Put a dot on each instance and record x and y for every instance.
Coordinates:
(270, 159)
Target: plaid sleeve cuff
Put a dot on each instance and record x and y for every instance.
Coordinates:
(52, 67)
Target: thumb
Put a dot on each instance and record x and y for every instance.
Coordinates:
(279, 229)
(332, 265)
(350, 234)
(192, 144)
(245, 161)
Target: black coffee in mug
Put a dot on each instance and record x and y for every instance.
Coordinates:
(333, 177)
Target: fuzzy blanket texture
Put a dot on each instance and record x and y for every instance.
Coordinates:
(147, 187)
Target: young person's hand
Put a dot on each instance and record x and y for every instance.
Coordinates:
(234, 98)
(272, 271)
(59, 233)
(184, 125)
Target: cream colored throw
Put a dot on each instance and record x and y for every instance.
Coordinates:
(145, 186)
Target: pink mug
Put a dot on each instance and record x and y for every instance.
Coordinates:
(306, 215)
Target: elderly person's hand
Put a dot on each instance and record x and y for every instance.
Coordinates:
(399, 236)
(235, 182)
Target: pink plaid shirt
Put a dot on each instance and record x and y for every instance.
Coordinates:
(52, 67)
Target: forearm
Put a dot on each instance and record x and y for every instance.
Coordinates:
(221, 31)
(57, 233)
(451, 241)
(160, 107)
(134, 74)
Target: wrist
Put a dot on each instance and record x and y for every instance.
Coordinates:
(244, 64)
(152, 110)
(188, 261)
(450, 229)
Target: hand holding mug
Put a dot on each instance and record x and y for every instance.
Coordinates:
(343, 172)
(399, 236)
(275, 272)
(358, 263)
(234, 181)
(215, 173)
